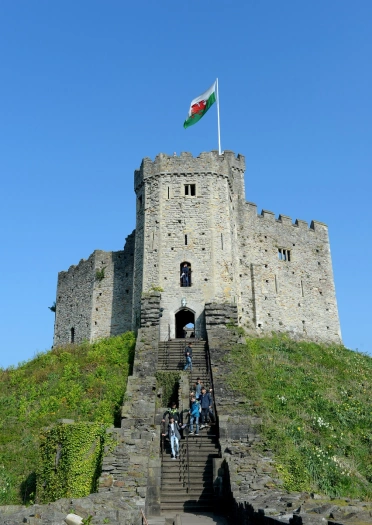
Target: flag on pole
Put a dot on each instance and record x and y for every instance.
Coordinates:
(200, 105)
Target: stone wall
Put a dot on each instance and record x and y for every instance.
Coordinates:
(74, 303)
(295, 294)
(95, 308)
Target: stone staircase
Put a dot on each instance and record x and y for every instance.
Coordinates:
(171, 356)
(187, 482)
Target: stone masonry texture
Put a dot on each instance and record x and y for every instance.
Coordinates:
(278, 273)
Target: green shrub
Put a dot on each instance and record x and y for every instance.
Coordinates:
(70, 460)
(169, 383)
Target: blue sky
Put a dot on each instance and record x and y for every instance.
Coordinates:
(89, 88)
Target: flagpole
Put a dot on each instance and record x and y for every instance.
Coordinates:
(218, 119)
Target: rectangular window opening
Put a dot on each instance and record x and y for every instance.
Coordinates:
(284, 255)
(190, 190)
(185, 240)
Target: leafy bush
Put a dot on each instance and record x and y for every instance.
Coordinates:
(70, 460)
(84, 382)
(316, 404)
(169, 383)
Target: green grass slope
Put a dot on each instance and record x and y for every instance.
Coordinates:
(81, 382)
(316, 404)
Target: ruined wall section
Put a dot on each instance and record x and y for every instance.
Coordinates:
(295, 294)
(74, 303)
(90, 308)
(113, 295)
(194, 228)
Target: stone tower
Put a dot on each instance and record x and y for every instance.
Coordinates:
(193, 210)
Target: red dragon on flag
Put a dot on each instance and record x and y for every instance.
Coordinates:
(198, 108)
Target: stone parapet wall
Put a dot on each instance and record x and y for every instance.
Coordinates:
(150, 309)
(126, 468)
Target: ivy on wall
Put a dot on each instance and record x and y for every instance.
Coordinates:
(70, 460)
(168, 382)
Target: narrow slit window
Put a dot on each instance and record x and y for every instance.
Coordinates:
(185, 240)
(72, 335)
(168, 192)
(302, 288)
(221, 241)
(276, 284)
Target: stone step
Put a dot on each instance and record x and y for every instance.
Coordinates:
(189, 505)
(201, 495)
(196, 484)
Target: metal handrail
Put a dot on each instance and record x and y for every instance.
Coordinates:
(188, 463)
(209, 369)
(166, 355)
(144, 520)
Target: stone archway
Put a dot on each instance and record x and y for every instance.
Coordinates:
(182, 318)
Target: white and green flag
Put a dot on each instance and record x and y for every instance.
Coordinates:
(200, 105)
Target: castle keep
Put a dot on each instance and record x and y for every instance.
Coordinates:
(193, 210)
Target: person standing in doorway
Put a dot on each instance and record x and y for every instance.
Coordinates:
(185, 275)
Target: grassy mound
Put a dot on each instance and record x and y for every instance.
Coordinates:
(81, 382)
(316, 404)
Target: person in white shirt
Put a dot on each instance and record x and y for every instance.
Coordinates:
(174, 437)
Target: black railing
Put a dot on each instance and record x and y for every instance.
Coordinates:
(209, 369)
(188, 463)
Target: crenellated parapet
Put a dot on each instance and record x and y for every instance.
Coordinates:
(227, 165)
(316, 228)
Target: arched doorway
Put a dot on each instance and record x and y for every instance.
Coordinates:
(185, 317)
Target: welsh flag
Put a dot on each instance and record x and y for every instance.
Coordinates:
(200, 105)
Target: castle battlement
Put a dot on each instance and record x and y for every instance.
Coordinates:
(315, 227)
(209, 162)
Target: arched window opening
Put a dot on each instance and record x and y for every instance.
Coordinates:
(185, 274)
(72, 336)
